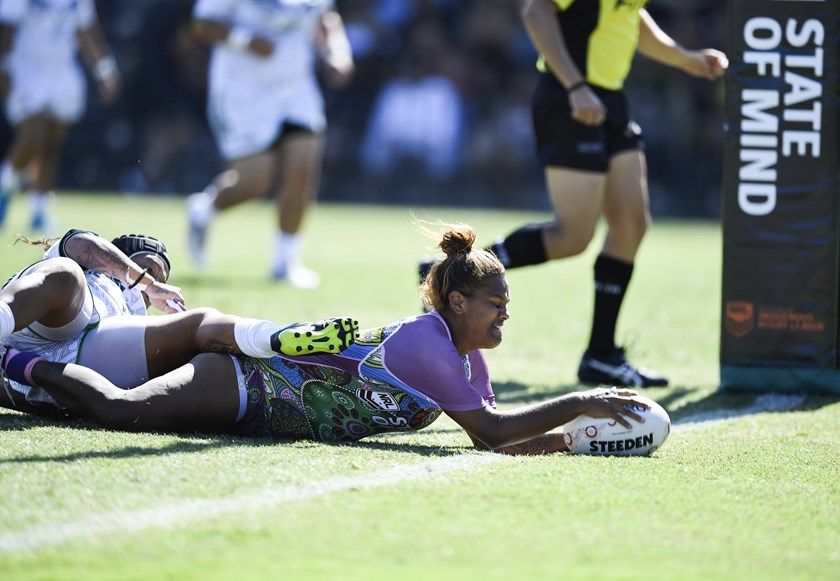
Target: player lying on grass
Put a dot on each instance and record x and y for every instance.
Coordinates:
(86, 302)
(398, 377)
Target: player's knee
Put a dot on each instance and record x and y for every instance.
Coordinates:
(630, 231)
(565, 240)
(204, 312)
(577, 240)
(64, 277)
(579, 243)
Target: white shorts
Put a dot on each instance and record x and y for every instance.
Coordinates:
(56, 89)
(115, 348)
(247, 116)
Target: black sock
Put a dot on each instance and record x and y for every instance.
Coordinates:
(523, 247)
(611, 279)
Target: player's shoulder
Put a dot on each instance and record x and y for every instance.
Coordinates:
(431, 323)
(430, 340)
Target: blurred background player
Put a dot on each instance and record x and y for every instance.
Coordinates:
(593, 155)
(267, 112)
(44, 89)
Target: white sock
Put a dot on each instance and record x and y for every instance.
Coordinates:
(253, 337)
(287, 248)
(39, 202)
(7, 321)
(202, 206)
(9, 177)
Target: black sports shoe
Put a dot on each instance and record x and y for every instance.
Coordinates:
(614, 369)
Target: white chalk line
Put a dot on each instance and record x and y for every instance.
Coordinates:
(768, 402)
(130, 521)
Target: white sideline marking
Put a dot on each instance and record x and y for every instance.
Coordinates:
(44, 536)
(768, 402)
(137, 520)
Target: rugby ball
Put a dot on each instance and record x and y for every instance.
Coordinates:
(606, 437)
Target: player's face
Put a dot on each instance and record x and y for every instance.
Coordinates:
(484, 313)
(155, 264)
(157, 268)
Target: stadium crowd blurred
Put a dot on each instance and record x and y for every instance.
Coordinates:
(437, 113)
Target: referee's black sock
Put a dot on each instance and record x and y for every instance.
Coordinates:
(611, 279)
(523, 247)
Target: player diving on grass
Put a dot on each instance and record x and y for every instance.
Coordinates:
(86, 302)
(401, 376)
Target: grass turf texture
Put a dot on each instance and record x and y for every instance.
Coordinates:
(755, 496)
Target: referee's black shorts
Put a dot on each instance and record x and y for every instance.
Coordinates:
(564, 142)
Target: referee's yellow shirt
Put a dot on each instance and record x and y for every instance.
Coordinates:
(601, 36)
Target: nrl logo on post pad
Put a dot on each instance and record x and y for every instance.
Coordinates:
(739, 318)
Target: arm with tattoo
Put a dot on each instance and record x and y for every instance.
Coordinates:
(545, 444)
(92, 252)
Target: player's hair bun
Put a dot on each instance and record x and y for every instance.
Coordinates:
(457, 241)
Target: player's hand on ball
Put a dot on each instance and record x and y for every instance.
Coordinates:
(601, 436)
(612, 403)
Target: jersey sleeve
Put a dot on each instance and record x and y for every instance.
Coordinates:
(59, 246)
(422, 356)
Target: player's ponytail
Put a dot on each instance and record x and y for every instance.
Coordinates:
(464, 269)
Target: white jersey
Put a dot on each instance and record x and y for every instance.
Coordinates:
(46, 29)
(250, 96)
(109, 298)
(289, 24)
(45, 73)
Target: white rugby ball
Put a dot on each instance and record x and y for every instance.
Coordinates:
(606, 437)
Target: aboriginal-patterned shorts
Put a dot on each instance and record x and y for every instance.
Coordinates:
(291, 401)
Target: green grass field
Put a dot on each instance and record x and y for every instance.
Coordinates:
(737, 492)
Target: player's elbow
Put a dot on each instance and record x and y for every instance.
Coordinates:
(488, 428)
(490, 440)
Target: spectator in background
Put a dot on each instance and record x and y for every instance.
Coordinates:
(267, 111)
(417, 122)
(44, 89)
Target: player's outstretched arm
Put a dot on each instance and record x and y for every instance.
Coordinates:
(545, 444)
(655, 44)
(524, 430)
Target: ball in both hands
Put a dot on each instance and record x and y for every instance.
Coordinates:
(606, 437)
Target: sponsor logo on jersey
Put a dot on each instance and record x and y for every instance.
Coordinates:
(378, 400)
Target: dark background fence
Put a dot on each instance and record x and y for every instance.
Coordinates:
(469, 61)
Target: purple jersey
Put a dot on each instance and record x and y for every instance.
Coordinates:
(417, 353)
